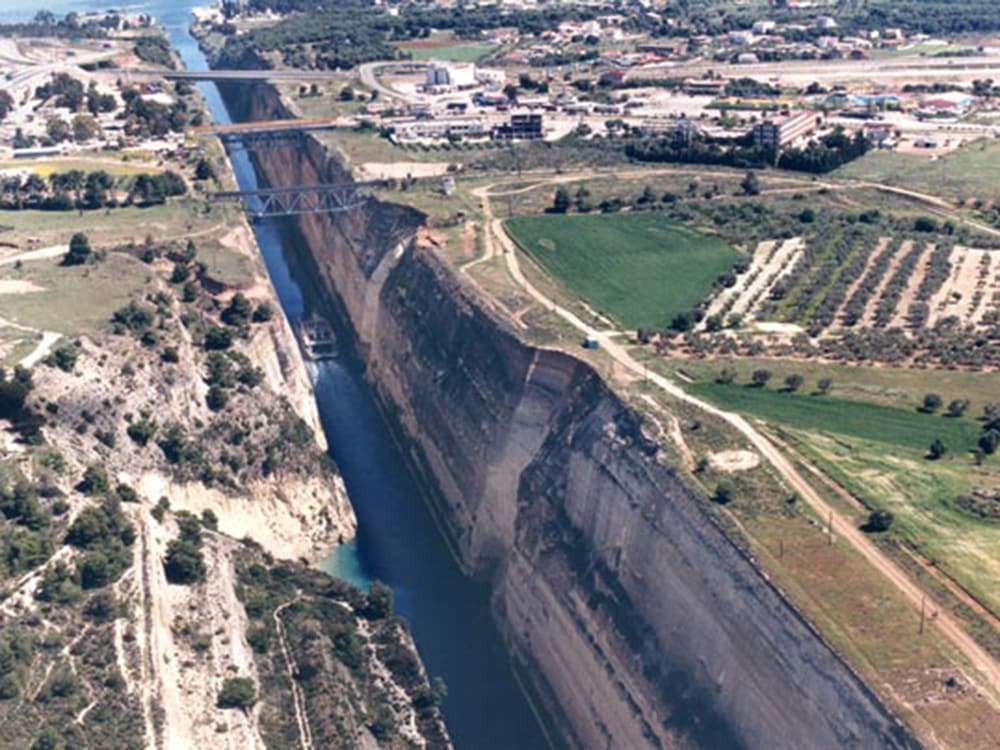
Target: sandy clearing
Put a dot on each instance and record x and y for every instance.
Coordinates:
(734, 460)
(400, 170)
(19, 286)
(770, 326)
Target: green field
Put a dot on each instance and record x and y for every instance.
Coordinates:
(887, 386)
(459, 52)
(639, 268)
(883, 424)
(967, 172)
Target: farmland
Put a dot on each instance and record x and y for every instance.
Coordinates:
(884, 424)
(640, 268)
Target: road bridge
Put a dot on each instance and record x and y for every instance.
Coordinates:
(235, 76)
(265, 134)
(304, 199)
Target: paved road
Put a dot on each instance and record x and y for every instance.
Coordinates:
(987, 667)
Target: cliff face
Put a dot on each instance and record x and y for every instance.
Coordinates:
(633, 620)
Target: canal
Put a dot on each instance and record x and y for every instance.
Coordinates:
(397, 540)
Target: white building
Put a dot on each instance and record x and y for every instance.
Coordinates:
(450, 76)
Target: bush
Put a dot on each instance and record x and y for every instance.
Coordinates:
(878, 521)
(184, 563)
(237, 692)
(723, 493)
(79, 251)
(931, 403)
(936, 450)
(64, 357)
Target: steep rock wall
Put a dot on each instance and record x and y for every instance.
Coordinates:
(632, 618)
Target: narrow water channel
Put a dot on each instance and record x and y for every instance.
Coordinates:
(397, 541)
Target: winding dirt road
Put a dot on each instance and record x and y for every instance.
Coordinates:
(986, 665)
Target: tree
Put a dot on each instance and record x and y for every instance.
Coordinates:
(84, 128)
(79, 250)
(6, 104)
(238, 312)
(878, 521)
(237, 692)
(723, 493)
(347, 94)
(759, 378)
(824, 385)
(380, 601)
(989, 441)
(204, 170)
(937, 450)
(794, 381)
(184, 562)
(58, 130)
(561, 202)
(957, 407)
(726, 375)
(750, 184)
(931, 403)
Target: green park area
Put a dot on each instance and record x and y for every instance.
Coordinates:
(641, 269)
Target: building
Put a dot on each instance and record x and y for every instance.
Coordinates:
(778, 133)
(450, 76)
(705, 87)
(451, 127)
(522, 127)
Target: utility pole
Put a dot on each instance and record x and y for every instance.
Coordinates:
(829, 528)
(922, 612)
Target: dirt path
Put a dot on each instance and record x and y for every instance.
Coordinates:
(301, 717)
(981, 661)
(40, 253)
(49, 338)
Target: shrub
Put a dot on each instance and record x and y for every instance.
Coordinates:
(878, 521)
(723, 493)
(79, 251)
(64, 357)
(184, 563)
(237, 692)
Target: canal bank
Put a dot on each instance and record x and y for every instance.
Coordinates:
(397, 541)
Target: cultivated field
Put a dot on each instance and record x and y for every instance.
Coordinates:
(902, 428)
(640, 268)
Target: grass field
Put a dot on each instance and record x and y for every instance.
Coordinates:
(74, 300)
(920, 495)
(46, 167)
(884, 424)
(453, 52)
(641, 269)
(967, 172)
(886, 386)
